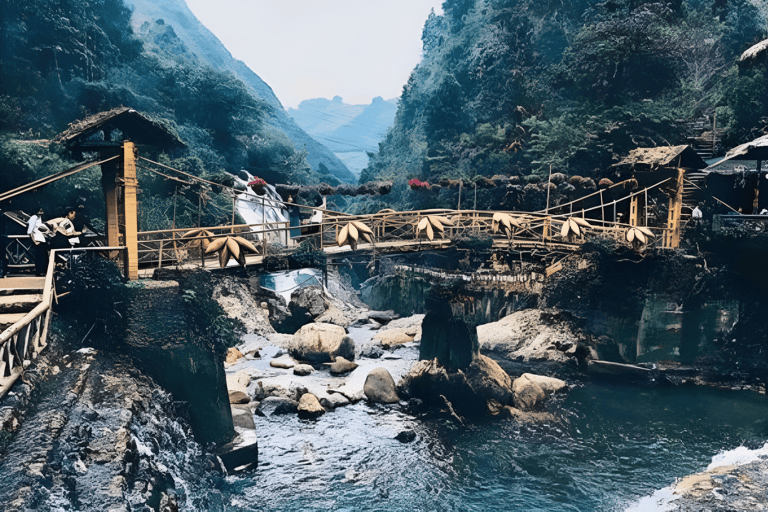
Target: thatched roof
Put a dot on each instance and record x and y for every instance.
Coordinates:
(664, 156)
(133, 126)
(754, 52)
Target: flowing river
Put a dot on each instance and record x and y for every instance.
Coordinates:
(615, 444)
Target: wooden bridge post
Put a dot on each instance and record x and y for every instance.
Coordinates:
(130, 211)
(109, 184)
(672, 234)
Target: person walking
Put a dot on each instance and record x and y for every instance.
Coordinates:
(37, 231)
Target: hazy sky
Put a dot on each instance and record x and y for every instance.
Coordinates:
(356, 49)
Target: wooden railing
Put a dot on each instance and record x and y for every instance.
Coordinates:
(170, 247)
(25, 339)
(390, 229)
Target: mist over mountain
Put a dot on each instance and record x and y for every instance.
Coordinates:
(350, 131)
(202, 43)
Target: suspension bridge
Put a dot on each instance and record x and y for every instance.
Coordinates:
(551, 234)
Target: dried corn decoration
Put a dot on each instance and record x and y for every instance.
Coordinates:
(432, 224)
(352, 233)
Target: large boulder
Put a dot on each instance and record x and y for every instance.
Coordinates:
(468, 390)
(380, 387)
(488, 381)
(321, 343)
(530, 335)
(309, 406)
(529, 396)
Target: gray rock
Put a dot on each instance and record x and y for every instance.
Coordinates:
(321, 343)
(530, 335)
(284, 362)
(272, 405)
(488, 381)
(371, 351)
(528, 395)
(549, 385)
(380, 387)
(302, 369)
(406, 436)
(243, 418)
(342, 366)
(238, 397)
(382, 317)
(334, 400)
(309, 406)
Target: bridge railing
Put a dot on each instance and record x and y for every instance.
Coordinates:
(390, 228)
(171, 247)
(536, 228)
(26, 338)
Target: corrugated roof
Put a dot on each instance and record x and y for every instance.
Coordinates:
(753, 150)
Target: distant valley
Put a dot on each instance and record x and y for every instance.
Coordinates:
(350, 131)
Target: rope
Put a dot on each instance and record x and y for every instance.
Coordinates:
(164, 175)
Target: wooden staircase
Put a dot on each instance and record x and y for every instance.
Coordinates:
(693, 193)
(19, 296)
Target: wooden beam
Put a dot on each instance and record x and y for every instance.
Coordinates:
(109, 184)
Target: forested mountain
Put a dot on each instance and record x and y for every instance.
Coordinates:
(511, 87)
(60, 61)
(350, 131)
(180, 22)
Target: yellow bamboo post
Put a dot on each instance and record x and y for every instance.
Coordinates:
(634, 211)
(672, 234)
(602, 208)
(130, 212)
(109, 184)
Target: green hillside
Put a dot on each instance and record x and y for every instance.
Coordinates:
(511, 87)
(61, 61)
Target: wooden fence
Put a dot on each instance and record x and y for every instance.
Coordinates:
(26, 338)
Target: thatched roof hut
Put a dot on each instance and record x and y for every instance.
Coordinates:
(663, 157)
(116, 125)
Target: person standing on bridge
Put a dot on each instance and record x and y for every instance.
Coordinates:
(37, 231)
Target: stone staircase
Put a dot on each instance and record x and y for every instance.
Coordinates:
(18, 296)
(701, 138)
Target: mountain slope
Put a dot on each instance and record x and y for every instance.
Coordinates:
(203, 43)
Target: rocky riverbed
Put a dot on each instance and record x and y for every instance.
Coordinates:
(88, 431)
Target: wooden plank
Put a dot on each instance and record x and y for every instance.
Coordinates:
(556, 267)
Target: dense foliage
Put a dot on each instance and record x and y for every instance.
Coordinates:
(63, 60)
(512, 87)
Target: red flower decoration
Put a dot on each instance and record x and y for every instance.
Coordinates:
(417, 184)
(256, 182)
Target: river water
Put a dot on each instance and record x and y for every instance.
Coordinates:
(614, 445)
